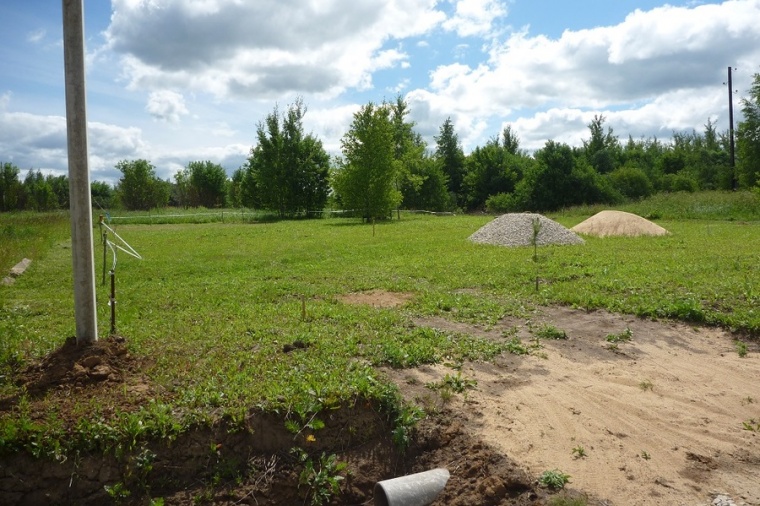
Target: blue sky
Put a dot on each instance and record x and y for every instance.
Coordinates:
(174, 81)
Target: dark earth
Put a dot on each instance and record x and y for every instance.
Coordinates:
(226, 465)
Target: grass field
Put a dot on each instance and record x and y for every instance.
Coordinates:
(215, 303)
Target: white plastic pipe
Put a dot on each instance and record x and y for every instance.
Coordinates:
(417, 489)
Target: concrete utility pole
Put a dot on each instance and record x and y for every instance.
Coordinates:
(731, 128)
(82, 251)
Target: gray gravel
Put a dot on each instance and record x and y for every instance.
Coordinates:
(516, 229)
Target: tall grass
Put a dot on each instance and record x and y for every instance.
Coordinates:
(29, 235)
(711, 205)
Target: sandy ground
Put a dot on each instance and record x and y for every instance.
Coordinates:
(659, 420)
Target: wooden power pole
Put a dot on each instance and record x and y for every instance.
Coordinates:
(82, 251)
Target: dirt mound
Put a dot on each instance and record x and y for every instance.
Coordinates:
(618, 223)
(73, 364)
(519, 229)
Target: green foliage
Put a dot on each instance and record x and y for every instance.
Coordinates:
(452, 160)
(751, 425)
(622, 337)
(741, 348)
(118, 492)
(554, 479)
(579, 452)
(288, 170)
(560, 180)
(403, 425)
(322, 479)
(103, 195)
(11, 191)
(456, 384)
(491, 170)
(366, 178)
(632, 183)
(501, 203)
(201, 184)
(646, 385)
(139, 187)
(748, 138)
(548, 331)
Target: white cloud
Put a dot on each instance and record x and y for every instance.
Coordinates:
(166, 105)
(265, 49)
(475, 17)
(39, 142)
(669, 59)
(36, 36)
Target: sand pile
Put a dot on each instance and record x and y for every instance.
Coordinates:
(516, 229)
(616, 223)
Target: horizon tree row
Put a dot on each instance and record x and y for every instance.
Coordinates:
(385, 165)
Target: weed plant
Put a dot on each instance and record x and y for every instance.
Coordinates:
(554, 479)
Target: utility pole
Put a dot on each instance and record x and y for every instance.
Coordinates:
(731, 128)
(82, 251)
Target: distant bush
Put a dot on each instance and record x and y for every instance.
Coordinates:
(631, 182)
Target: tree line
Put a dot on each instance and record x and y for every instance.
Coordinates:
(386, 165)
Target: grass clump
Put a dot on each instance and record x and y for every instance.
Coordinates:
(622, 337)
(549, 331)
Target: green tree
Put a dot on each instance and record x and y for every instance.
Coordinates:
(494, 169)
(748, 138)
(419, 178)
(39, 193)
(10, 187)
(603, 148)
(60, 187)
(139, 188)
(102, 194)
(289, 170)
(631, 182)
(452, 160)
(181, 190)
(235, 188)
(560, 180)
(365, 180)
(208, 183)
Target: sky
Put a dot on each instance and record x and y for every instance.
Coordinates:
(174, 81)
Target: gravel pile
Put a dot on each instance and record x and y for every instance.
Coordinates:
(516, 229)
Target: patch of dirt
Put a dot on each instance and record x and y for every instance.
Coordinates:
(377, 298)
(658, 419)
(618, 223)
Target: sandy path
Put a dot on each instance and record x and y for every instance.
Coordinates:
(660, 419)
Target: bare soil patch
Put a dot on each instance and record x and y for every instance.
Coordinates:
(658, 419)
(377, 298)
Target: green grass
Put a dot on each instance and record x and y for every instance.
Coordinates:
(29, 235)
(214, 304)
